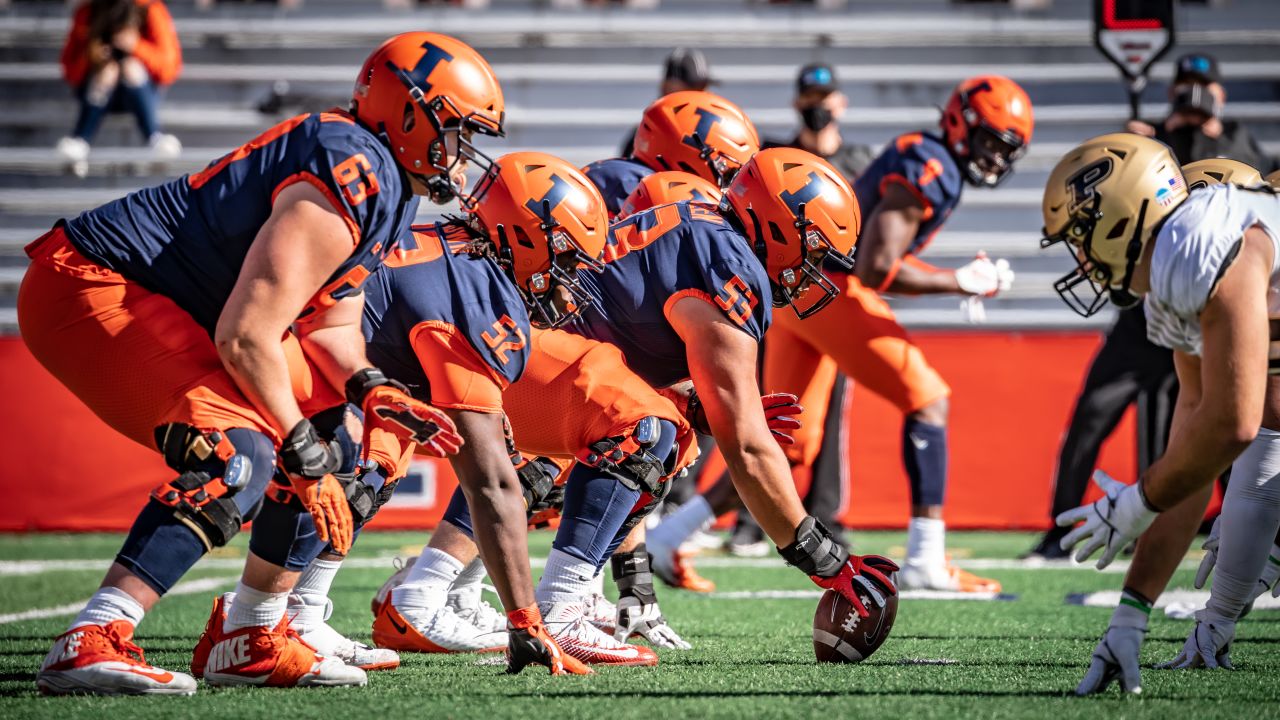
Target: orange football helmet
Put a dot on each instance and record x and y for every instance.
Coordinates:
(697, 132)
(797, 211)
(988, 124)
(545, 220)
(426, 94)
(669, 186)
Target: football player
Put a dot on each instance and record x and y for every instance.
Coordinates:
(909, 192)
(669, 186)
(1207, 264)
(691, 131)
(164, 312)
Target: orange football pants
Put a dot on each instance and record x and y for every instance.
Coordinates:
(576, 391)
(857, 334)
(133, 356)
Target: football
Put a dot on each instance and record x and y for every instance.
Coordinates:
(841, 636)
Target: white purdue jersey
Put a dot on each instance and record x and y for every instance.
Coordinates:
(1196, 245)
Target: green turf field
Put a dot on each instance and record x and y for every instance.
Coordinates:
(752, 657)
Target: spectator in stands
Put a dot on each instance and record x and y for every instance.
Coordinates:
(118, 55)
(820, 105)
(685, 69)
(1129, 368)
(1194, 128)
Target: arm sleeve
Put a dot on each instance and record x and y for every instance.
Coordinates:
(158, 48)
(459, 378)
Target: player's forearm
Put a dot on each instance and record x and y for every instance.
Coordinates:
(920, 279)
(1164, 544)
(337, 351)
(259, 367)
(762, 476)
(1200, 449)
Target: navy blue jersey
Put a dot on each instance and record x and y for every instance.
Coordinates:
(187, 239)
(657, 257)
(615, 179)
(919, 162)
(446, 323)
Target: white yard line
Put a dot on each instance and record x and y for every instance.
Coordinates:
(815, 594)
(189, 587)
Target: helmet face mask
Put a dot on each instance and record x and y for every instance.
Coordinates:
(1097, 277)
(807, 280)
(988, 124)
(452, 149)
(991, 156)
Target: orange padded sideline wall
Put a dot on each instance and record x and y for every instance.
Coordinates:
(1013, 394)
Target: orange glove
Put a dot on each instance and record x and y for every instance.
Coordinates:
(387, 405)
(528, 642)
(310, 463)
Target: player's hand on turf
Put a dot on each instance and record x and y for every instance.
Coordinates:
(1208, 645)
(1110, 523)
(780, 411)
(1210, 559)
(1115, 659)
(862, 580)
(529, 643)
(388, 406)
(983, 277)
(310, 463)
(635, 617)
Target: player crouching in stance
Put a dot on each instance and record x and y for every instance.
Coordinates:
(1206, 264)
(164, 312)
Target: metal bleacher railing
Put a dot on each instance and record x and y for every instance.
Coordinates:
(576, 80)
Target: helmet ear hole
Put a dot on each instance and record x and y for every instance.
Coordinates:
(522, 237)
(776, 233)
(409, 120)
(1118, 229)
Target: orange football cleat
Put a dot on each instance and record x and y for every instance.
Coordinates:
(676, 569)
(103, 660)
(268, 656)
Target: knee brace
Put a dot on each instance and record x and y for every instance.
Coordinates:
(543, 498)
(641, 461)
(213, 470)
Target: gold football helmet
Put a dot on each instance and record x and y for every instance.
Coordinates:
(1216, 171)
(1104, 200)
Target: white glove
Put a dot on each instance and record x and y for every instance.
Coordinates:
(637, 618)
(985, 278)
(1110, 523)
(1271, 573)
(972, 310)
(1115, 658)
(1210, 548)
(1208, 645)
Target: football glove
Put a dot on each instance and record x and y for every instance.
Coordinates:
(529, 643)
(309, 464)
(972, 310)
(645, 619)
(1115, 659)
(1110, 523)
(388, 406)
(1210, 559)
(1208, 645)
(861, 580)
(983, 277)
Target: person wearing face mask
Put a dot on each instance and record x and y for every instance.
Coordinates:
(1194, 128)
(820, 105)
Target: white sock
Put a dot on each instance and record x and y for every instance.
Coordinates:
(566, 579)
(1250, 514)
(107, 605)
(679, 525)
(309, 601)
(428, 581)
(254, 607)
(597, 584)
(470, 577)
(926, 541)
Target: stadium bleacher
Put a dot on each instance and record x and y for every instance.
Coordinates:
(576, 80)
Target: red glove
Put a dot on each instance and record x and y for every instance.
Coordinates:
(388, 406)
(780, 410)
(529, 643)
(862, 577)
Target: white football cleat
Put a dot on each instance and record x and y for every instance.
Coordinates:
(310, 621)
(577, 637)
(402, 571)
(103, 660)
(433, 630)
(601, 613)
(468, 604)
(943, 576)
